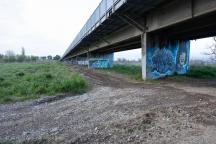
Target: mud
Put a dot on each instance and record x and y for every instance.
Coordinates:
(117, 110)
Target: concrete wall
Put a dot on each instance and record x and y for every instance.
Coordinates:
(101, 61)
(165, 58)
(94, 61)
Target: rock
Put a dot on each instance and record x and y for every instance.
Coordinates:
(96, 129)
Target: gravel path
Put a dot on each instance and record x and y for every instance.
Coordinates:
(116, 111)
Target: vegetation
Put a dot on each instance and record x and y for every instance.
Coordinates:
(11, 57)
(133, 71)
(23, 81)
(212, 51)
(204, 72)
(196, 71)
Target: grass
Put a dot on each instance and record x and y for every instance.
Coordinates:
(24, 81)
(135, 72)
(203, 72)
(132, 71)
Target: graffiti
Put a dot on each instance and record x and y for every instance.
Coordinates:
(83, 62)
(183, 58)
(101, 61)
(170, 58)
(96, 61)
(163, 61)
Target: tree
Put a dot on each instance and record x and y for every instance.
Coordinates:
(9, 56)
(1, 57)
(22, 57)
(34, 58)
(57, 57)
(212, 50)
(49, 57)
(23, 51)
(43, 58)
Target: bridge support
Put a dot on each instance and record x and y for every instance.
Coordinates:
(163, 57)
(144, 55)
(101, 61)
(98, 61)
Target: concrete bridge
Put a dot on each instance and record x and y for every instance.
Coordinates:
(162, 28)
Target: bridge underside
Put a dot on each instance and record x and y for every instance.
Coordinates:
(163, 33)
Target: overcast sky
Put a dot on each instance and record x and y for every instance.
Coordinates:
(46, 27)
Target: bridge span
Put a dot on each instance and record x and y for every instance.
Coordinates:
(162, 28)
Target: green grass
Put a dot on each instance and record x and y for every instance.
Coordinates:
(135, 72)
(24, 81)
(203, 72)
(132, 71)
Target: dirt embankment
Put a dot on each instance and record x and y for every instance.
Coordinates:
(117, 110)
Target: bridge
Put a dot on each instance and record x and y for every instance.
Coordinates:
(162, 28)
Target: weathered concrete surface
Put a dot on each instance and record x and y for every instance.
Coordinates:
(117, 110)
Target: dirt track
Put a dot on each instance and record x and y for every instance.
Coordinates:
(117, 110)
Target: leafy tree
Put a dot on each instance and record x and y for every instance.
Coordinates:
(1, 57)
(20, 58)
(57, 57)
(49, 57)
(34, 58)
(28, 59)
(9, 56)
(43, 58)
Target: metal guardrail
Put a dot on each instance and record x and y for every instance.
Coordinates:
(105, 9)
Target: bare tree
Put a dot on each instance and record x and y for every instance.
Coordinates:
(212, 50)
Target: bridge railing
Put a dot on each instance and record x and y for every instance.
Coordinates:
(102, 12)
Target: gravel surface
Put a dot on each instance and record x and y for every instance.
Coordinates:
(116, 110)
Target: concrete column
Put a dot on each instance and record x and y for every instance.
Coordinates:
(164, 57)
(101, 61)
(88, 58)
(144, 55)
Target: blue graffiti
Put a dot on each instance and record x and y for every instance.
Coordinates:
(101, 61)
(163, 61)
(99, 64)
(183, 58)
(170, 59)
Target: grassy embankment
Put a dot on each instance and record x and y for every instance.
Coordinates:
(135, 72)
(24, 81)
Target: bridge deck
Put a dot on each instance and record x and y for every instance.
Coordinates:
(105, 19)
(107, 32)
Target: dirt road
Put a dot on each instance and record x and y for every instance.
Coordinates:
(117, 110)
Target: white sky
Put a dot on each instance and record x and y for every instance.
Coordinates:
(198, 48)
(47, 27)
